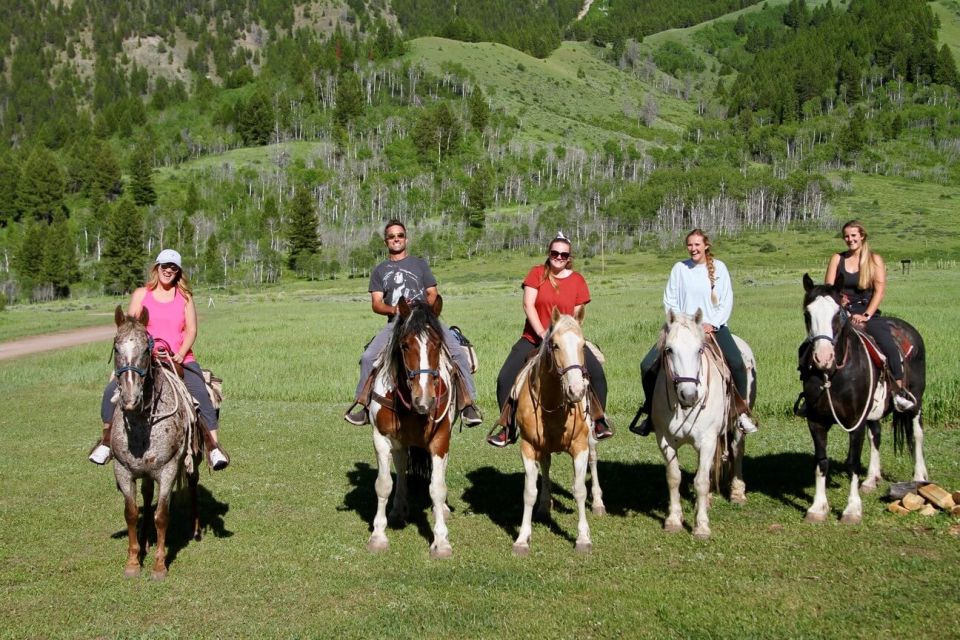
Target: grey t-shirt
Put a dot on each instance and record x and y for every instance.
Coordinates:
(408, 278)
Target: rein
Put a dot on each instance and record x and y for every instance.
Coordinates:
(561, 371)
(872, 391)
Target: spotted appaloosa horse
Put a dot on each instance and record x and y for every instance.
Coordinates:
(413, 405)
(553, 417)
(691, 405)
(842, 384)
(154, 436)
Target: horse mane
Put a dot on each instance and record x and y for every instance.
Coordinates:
(821, 290)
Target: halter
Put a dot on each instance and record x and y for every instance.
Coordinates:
(137, 370)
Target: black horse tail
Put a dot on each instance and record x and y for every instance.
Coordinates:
(903, 432)
(419, 463)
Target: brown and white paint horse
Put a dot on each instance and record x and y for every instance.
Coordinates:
(553, 417)
(153, 438)
(413, 405)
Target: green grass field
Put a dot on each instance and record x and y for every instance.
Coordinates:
(286, 524)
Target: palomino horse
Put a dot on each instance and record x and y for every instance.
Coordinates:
(153, 436)
(692, 405)
(842, 384)
(414, 404)
(552, 416)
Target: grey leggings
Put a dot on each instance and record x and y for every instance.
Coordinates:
(192, 377)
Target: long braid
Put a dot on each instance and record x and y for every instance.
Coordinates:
(711, 268)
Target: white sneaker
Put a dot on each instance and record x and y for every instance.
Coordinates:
(746, 424)
(218, 460)
(100, 454)
(902, 402)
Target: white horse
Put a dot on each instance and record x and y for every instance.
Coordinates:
(692, 405)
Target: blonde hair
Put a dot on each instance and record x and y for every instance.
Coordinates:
(547, 273)
(711, 268)
(153, 281)
(866, 266)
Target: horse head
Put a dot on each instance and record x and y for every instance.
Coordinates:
(132, 354)
(565, 343)
(419, 339)
(682, 347)
(824, 320)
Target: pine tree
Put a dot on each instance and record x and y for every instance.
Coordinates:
(40, 190)
(478, 195)
(302, 228)
(60, 266)
(141, 176)
(255, 120)
(29, 257)
(349, 98)
(945, 69)
(479, 110)
(106, 179)
(124, 254)
(9, 177)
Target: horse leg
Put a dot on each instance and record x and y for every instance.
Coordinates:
(146, 490)
(384, 484)
(401, 508)
(674, 521)
(701, 482)
(545, 491)
(873, 469)
(438, 493)
(596, 493)
(738, 488)
(161, 520)
(853, 512)
(521, 545)
(131, 514)
(580, 462)
(820, 508)
(919, 464)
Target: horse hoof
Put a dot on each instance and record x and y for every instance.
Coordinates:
(441, 553)
(376, 546)
(158, 575)
(738, 498)
(815, 517)
(599, 510)
(848, 518)
(868, 487)
(702, 534)
(672, 527)
(522, 550)
(131, 572)
(584, 547)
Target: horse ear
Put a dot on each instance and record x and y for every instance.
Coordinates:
(671, 316)
(438, 305)
(403, 309)
(581, 312)
(554, 315)
(807, 282)
(698, 316)
(144, 316)
(118, 316)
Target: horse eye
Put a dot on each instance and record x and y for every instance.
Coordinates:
(554, 346)
(404, 347)
(668, 350)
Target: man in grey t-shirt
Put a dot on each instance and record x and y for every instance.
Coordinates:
(403, 276)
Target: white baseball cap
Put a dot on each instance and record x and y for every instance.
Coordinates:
(169, 255)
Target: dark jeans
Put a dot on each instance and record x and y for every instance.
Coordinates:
(650, 367)
(518, 357)
(192, 377)
(879, 329)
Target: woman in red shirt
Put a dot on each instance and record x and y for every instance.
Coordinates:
(551, 284)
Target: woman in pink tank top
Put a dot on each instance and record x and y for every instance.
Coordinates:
(173, 324)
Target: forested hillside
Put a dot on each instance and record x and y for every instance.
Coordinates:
(270, 140)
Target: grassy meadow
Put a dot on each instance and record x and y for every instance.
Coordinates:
(286, 524)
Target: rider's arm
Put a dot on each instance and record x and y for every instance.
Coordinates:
(879, 286)
(189, 330)
(136, 302)
(530, 309)
(831, 275)
(379, 306)
(431, 294)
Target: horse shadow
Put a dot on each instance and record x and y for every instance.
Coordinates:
(180, 529)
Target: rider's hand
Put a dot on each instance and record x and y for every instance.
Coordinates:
(708, 328)
(177, 358)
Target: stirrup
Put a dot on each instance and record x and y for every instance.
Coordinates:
(903, 400)
(800, 406)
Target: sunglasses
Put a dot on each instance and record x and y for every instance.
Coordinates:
(394, 236)
(563, 255)
(170, 266)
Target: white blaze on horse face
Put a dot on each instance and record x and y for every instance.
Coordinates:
(570, 351)
(821, 312)
(421, 387)
(129, 383)
(684, 356)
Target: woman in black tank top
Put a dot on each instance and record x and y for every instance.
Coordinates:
(862, 276)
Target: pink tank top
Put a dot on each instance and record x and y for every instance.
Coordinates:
(167, 321)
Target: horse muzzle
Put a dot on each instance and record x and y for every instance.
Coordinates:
(687, 394)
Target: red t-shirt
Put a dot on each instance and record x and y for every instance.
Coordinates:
(572, 291)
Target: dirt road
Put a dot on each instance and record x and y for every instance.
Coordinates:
(51, 341)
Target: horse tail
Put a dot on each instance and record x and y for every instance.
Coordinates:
(903, 433)
(419, 463)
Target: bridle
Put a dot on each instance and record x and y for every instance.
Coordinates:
(142, 372)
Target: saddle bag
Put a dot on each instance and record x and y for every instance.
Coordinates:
(214, 388)
(468, 348)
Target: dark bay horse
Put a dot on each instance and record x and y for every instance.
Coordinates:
(414, 404)
(844, 385)
(154, 436)
(553, 417)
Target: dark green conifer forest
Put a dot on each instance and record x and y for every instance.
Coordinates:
(269, 140)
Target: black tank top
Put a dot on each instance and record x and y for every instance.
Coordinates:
(857, 299)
